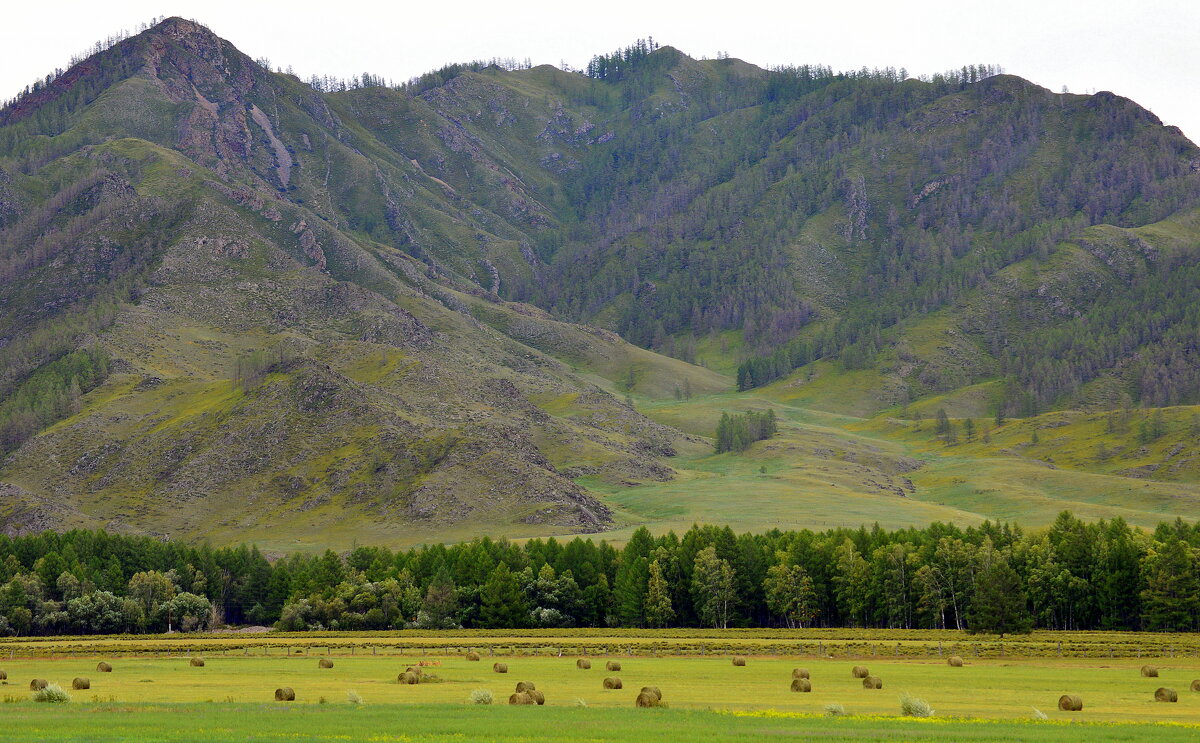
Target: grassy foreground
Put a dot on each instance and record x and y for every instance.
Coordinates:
(215, 723)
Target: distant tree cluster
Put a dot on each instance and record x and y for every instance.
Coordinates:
(252, 368)
(51, 393)
(737, 432)
(991, 578)
(618, 65)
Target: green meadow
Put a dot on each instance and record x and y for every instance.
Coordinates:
(827, 469)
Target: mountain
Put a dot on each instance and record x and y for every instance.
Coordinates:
(244, 306)
(205, 331)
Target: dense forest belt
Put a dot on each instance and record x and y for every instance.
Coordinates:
(848, 643)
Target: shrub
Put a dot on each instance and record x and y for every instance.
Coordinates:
(353, 697)
(482, 696)
(52, 693)
(834, 709)
(914, 707)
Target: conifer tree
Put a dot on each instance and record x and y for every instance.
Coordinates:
(1172, 593)
(501, 601)
(999, 604)
(659, 612)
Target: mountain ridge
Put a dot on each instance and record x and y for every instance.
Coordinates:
(213, 247)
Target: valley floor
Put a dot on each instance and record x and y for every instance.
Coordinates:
(825, 470)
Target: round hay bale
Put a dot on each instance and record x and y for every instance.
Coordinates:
(859, 672)
(500, 667)
(647, 700)
(1070, 703)
(538, 697)
(285, 694)
(324, 663)
(652, 691)
(612, 682)
(612, 665)
(800, 673)
(583, 663)
(1150, 671)
(103, 667)
(38, 684)
(408, 677)
(1195, 684)
(954, 661)
(1163, 694)
(80, 682)
(801, 685)
(472, 655)
(3, 675)
(525, 686)
(520, 697)
(739, 661)
(197, 662)
(872, 682)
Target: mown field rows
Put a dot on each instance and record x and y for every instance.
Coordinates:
(849, 643)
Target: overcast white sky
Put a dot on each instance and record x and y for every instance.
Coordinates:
(1143, 49)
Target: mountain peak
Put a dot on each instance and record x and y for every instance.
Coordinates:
(177, 27)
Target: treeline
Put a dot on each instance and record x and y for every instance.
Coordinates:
(413, 86)
(737, 432)
(992, 577)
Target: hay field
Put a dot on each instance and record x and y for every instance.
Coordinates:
(1113, 691)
